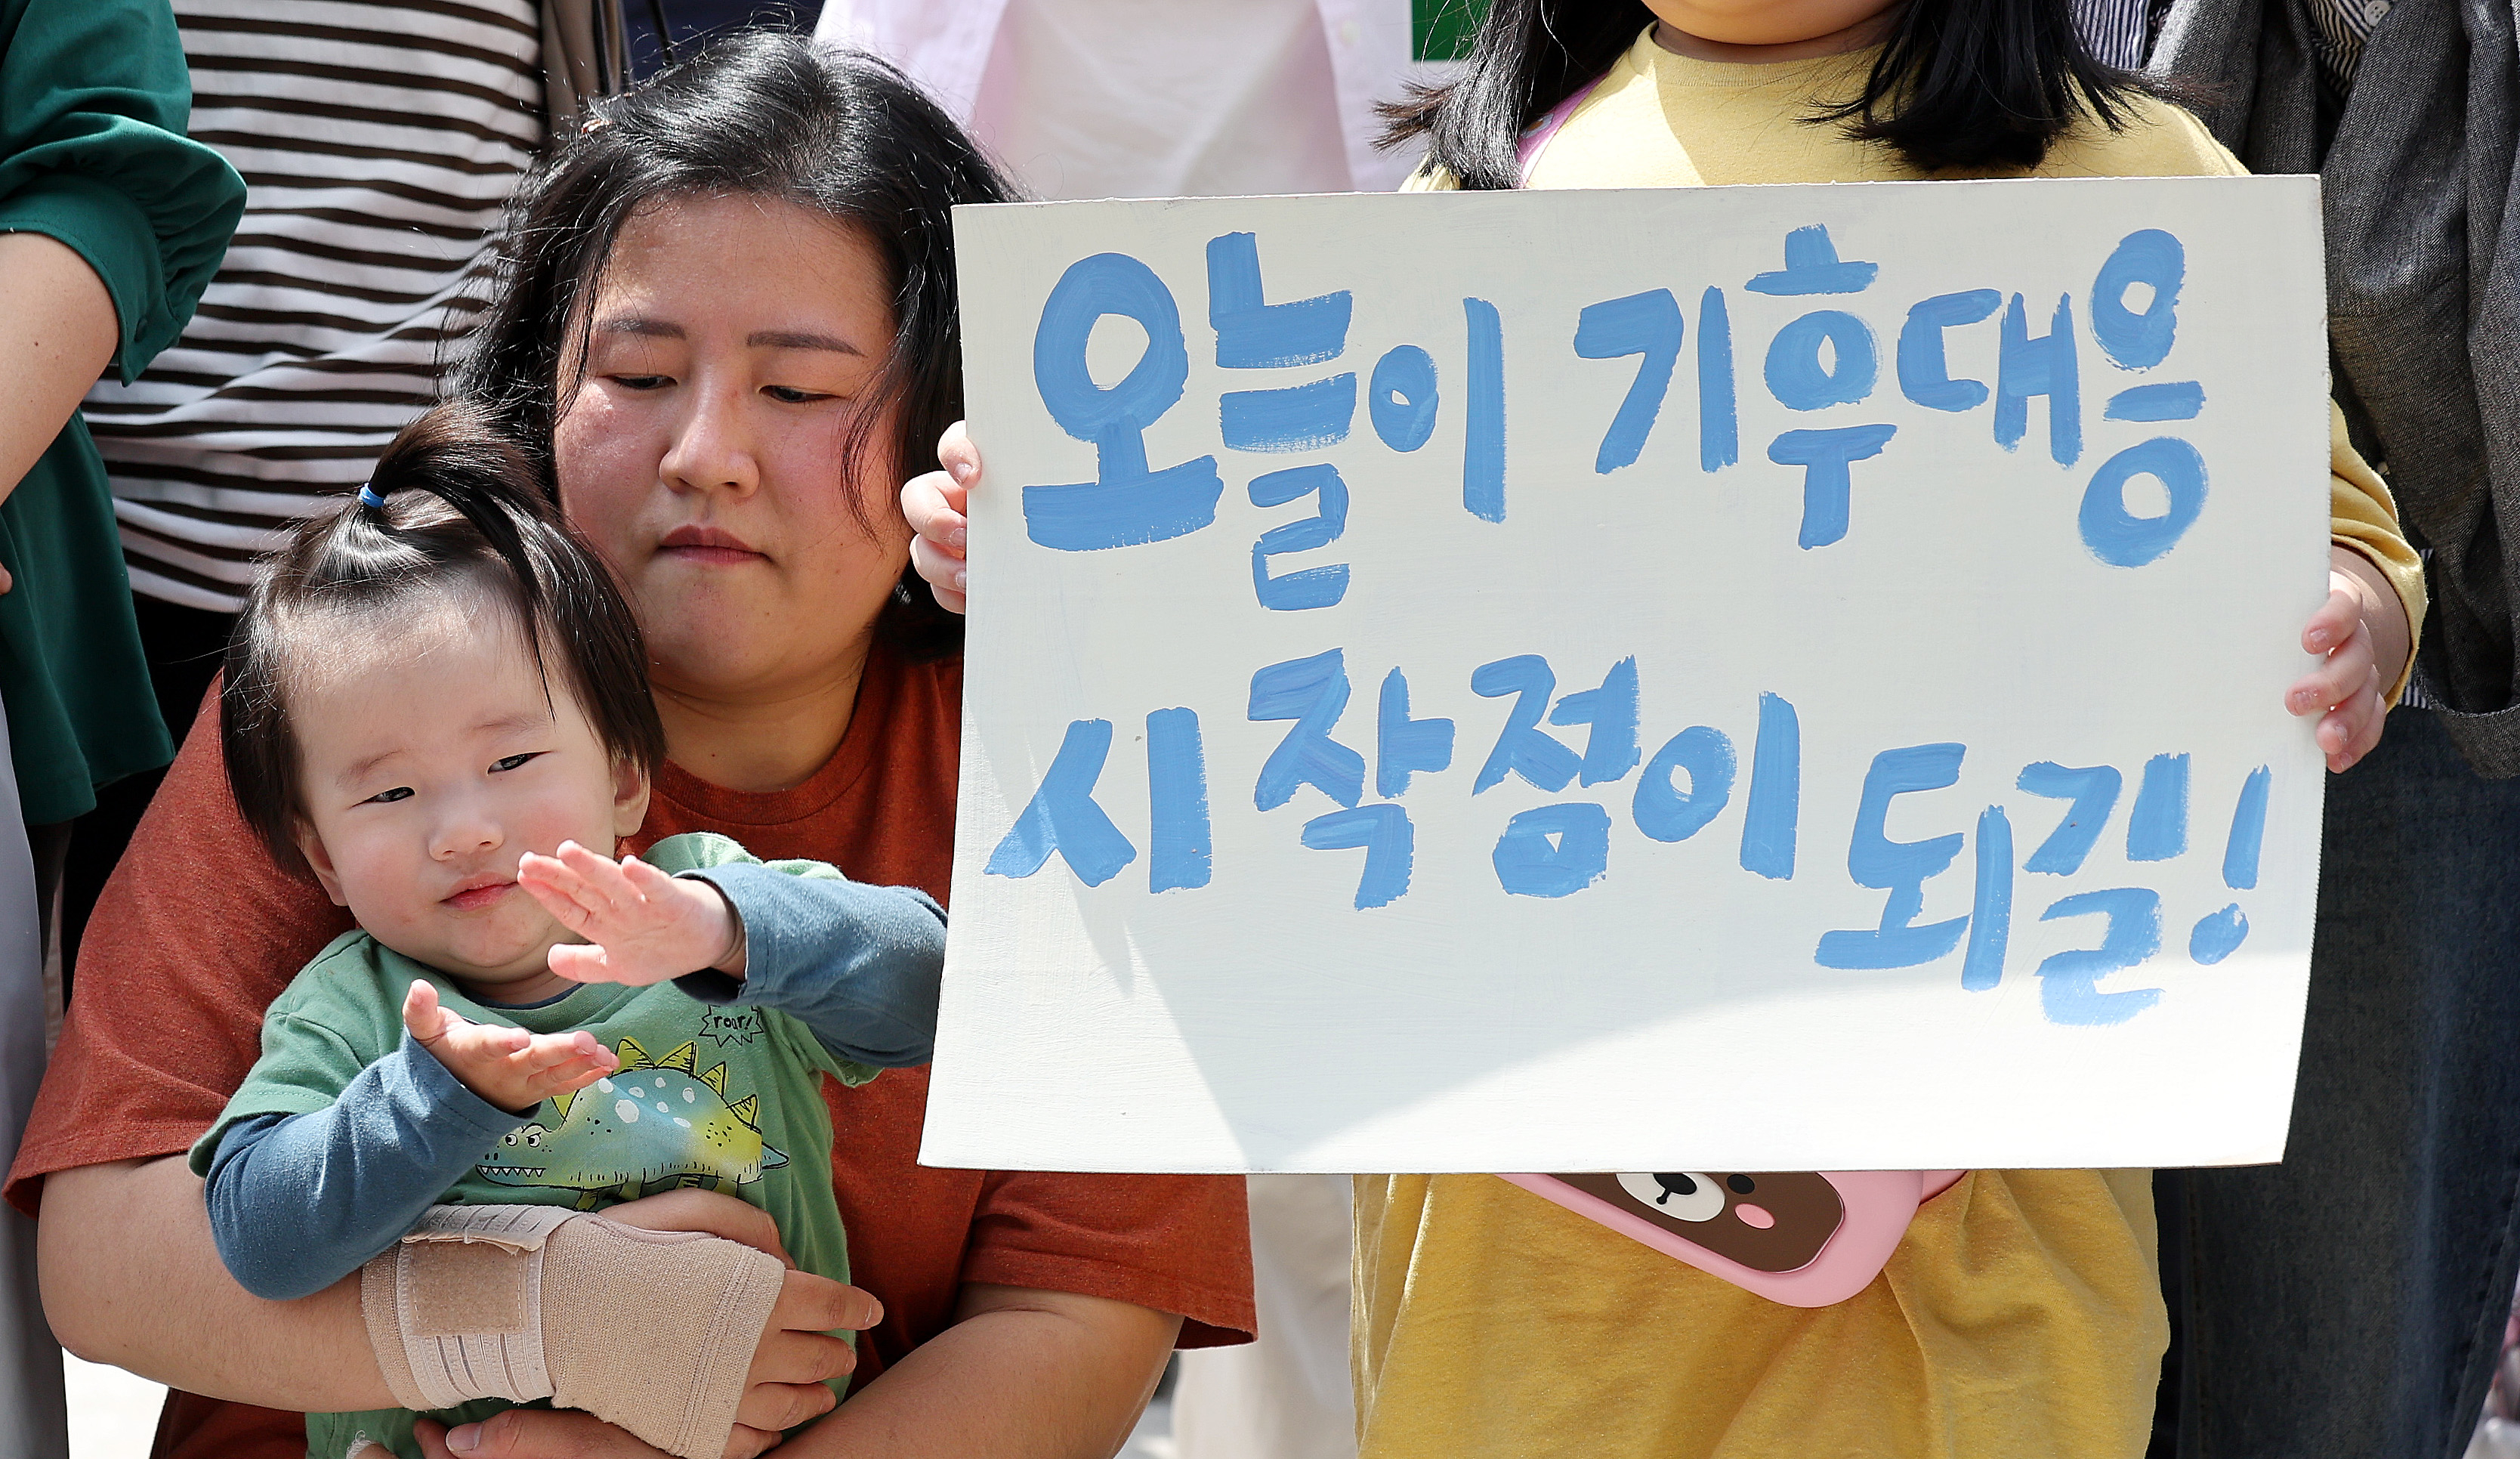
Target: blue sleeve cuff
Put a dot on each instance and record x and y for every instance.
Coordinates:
(858, 965)
(298, 1201)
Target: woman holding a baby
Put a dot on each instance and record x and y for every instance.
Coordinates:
(726, 323)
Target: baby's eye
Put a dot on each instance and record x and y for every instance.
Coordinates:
(388, 798)
(512, 761)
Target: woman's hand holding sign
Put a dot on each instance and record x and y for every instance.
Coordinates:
(2360, 630)
(936, 504)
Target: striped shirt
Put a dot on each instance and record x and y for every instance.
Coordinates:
(2338, 29)
(380, 141)
(2117, 32)
(2120, 32)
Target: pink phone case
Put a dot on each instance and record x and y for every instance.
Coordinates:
(1799, 1238)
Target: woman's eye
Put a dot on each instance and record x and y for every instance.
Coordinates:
(512, 761)
(388, 798)
(643, 382)
(788, 394)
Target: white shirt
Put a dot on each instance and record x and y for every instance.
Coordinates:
(1158, 98)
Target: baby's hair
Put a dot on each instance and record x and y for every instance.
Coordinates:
(1958, 84)
(453, 506)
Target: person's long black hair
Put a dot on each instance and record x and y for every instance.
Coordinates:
(762, 113)
(1959, 83)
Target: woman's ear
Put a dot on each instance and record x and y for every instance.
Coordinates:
(629, 798)
(319, 861)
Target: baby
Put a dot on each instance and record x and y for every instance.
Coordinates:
(438, 700)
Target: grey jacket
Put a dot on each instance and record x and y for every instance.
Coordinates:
(2423, 289)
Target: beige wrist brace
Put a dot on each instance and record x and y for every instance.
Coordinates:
(531, 1301)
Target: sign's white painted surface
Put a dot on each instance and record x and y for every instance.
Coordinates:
(1726, 678)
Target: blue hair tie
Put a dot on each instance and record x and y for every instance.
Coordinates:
(368, 497)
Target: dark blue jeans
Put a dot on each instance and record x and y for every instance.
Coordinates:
(2348, 1304)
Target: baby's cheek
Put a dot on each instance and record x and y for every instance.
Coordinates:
(584, 814)
(385, 885)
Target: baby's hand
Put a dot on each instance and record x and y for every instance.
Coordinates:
(644, 926)
(934, 505)
(2360, 630)
(509, 1066)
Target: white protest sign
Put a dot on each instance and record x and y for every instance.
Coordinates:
(1776, 678)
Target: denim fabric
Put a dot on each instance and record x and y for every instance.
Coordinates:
(2350, 1302)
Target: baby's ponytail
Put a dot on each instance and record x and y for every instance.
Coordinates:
(453, 505)
(454, 454)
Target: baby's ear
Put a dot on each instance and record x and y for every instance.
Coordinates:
(319, 861)
(629, 798)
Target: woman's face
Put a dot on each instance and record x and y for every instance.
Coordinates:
(729, 344)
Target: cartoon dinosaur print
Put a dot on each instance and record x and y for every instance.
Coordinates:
(653, 1121)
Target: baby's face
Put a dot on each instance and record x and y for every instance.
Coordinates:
(434, 757)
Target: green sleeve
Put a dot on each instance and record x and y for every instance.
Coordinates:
(94, 97)
(699, 850)
(304, 1067)
(696, 850)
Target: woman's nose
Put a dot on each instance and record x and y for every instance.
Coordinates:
(713, 446)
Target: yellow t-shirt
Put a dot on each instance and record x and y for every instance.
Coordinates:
(2021, 1317)
(1663, 120)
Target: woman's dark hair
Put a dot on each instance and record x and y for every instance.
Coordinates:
(766, 114)
(461, 510)
(1959, 83)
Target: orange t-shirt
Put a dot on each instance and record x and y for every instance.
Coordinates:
(199, 930)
